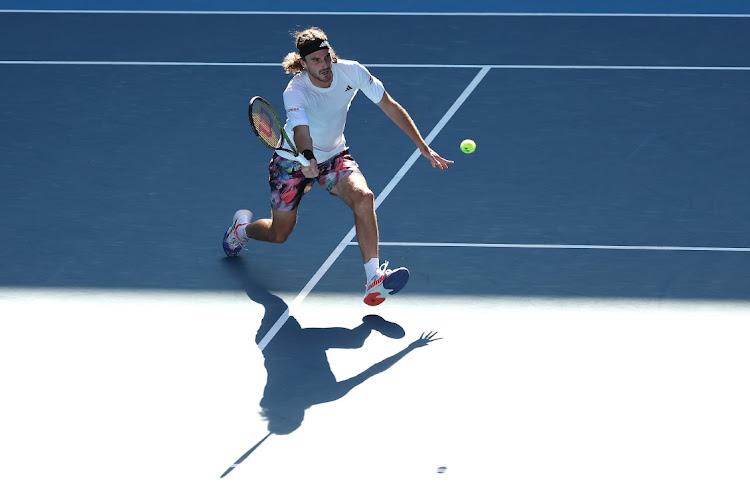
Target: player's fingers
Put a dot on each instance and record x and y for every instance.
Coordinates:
(434, 159)
(441, 162)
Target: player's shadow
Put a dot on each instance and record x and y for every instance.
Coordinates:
(298, 373)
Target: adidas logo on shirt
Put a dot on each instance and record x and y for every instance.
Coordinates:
(348, 88)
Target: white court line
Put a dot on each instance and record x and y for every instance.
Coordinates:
(567, 66)
(386, 65)
(344, 13)
(383, 195)
(563, 247)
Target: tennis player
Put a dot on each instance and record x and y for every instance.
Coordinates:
(317, 100)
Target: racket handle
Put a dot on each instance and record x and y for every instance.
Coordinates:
(298, 157)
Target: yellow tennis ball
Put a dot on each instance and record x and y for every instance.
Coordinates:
(468, 146)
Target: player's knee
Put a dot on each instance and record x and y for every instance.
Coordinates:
(365, 199)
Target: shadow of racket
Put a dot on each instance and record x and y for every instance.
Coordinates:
(247, 454)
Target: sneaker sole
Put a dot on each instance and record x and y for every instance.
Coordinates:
(396, 281)
(393, 283)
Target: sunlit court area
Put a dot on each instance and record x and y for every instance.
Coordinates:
(575, 322)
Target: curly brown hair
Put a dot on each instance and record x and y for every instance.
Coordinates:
(292, 63)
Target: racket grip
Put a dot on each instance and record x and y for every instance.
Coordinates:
(298, 157)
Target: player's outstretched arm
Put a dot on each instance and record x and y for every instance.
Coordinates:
(303, 141)
(400, 117)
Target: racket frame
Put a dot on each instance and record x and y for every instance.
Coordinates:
(284, 139)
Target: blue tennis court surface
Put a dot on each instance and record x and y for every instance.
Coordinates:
(586, 269)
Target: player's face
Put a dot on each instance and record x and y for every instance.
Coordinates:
(318, 65)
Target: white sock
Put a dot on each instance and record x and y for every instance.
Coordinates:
(371, 268)
(241, 234)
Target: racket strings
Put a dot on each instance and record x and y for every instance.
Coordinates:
(267, 127)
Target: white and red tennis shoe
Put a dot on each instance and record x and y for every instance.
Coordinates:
(234, 238)
(385, 282)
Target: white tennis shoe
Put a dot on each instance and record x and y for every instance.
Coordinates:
(234, 238)
(386, 282)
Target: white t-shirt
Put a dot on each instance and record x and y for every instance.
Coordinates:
(324, 109)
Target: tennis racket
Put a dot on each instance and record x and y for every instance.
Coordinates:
(269, 129)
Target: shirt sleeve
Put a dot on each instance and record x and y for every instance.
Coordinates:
(295, 109)
(368, 84)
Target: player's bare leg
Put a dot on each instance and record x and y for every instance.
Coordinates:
(354, 191)
(381, 281)
(276, 229)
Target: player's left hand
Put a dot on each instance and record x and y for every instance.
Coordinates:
(435, 159)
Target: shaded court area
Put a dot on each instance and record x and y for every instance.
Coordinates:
(575, 323)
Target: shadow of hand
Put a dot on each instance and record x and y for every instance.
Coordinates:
(424, 340)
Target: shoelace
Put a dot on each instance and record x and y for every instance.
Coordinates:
(381, 271)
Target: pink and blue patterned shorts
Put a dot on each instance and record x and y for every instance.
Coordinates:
(288, 184)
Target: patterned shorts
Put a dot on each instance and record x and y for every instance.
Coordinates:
(288, 184)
